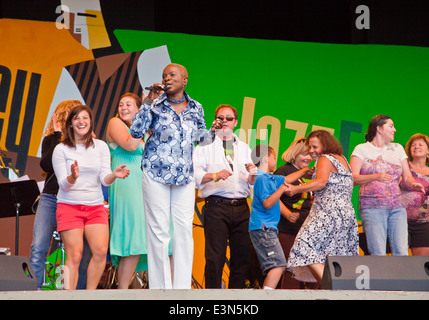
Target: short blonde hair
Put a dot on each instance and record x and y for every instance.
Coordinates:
(296, 148)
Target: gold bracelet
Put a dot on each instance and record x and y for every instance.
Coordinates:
(214, 177)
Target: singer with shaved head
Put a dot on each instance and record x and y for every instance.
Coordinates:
(175, 122)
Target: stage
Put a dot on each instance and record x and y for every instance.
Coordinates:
(228, 295)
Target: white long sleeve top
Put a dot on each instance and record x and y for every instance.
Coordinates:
(211, 158)
(94, 165)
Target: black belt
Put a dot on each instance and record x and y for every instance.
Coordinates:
(233, 202)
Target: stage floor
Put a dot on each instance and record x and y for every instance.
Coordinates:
(213, 294)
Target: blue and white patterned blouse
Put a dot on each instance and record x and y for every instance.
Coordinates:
(167, 156)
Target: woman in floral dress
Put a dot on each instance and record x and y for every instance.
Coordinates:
(331, 227)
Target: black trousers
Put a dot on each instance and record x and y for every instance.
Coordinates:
(223, 222)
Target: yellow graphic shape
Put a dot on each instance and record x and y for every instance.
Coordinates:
(36, 47)
(97, 33)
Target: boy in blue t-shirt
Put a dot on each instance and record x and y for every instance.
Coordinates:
(265, 215)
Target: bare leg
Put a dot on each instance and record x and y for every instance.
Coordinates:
(273, 278)
(97, 236)
(73, 246)
(127, 266)
(420, 251)
(317, 271)
(171, 267)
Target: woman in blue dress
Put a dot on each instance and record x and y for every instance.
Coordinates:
(128, 248)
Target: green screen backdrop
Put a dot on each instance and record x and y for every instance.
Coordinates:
(283, 90)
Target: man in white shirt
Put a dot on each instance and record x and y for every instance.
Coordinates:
(224, 173)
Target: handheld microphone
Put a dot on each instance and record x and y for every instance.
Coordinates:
(152, 88)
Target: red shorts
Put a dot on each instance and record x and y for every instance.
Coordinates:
(76, 216)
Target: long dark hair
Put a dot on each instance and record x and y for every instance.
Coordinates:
(69, 139)
(377, 121)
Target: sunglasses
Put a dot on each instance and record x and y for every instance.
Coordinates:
(227, 118)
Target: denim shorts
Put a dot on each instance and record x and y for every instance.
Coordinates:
(268, 249)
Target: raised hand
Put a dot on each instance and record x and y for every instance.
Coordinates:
(75, 170)
(55, 123)
(216, 125)
(223, 175)
(121, 172)
(251, 168)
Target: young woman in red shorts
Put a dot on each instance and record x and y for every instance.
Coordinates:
(82, 164)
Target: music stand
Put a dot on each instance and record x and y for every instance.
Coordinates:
(17, 199)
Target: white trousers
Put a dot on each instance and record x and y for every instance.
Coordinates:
(161, 203)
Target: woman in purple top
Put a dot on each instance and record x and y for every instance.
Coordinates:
(377, 166)
(417, 149)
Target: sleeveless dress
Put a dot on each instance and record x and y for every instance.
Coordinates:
(330, 228)
(127, 219)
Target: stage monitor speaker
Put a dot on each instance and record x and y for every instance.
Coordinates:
(16, 274)
(388, 273)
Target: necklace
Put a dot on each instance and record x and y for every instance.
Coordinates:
(176, 101)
